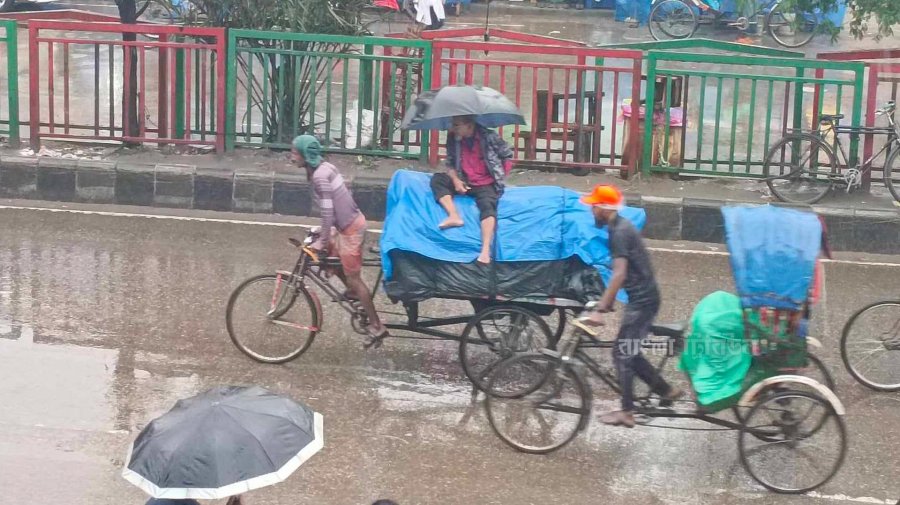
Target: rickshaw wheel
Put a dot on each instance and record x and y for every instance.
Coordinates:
(816, 370)
(497, 333)
(536, 404)
(794, 441)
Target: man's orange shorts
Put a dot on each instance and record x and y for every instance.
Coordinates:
(348, 245)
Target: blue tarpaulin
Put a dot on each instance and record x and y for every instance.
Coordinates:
(536, 223)
(773, 254)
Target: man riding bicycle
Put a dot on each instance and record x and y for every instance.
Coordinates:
(343, 225)
(632, 272)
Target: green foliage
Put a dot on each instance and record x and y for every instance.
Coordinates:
(875, 17)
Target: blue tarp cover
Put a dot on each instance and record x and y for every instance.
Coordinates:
(536, 223)
(773, 254)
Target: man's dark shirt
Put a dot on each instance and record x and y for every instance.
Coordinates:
(640, 284)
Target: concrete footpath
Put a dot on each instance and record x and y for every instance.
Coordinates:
(264, 182)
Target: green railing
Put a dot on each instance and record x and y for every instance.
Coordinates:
(706, 44)
(733, 108)
(350, 91)
(9, 119)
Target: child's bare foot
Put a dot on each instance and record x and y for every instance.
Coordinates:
(451, 222)
(484, 258)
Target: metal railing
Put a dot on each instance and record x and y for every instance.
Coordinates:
(127, 83)
(9, 88)
(284, 84)
(754, 102)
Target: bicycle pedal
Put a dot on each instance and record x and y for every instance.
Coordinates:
(373, 343)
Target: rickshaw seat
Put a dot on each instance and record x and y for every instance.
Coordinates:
(671, 330)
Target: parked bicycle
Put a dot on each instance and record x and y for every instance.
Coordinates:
(680, 19)
(802, 167)
(870, 346)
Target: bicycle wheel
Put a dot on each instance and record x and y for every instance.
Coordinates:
(672, 19)
(536, 404)
(271, 320)
(870, 346)
(790, 26)
(892, 177)
(799, 169)
(797, 455)
(497, 333)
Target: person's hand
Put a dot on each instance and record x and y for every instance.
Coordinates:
(460, 186)
(593, 319)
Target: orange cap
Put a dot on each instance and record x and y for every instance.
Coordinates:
(605, 196)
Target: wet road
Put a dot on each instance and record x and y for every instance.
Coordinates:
(106, 320)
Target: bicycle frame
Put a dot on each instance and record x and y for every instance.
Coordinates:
(892, 131)
(581, 358)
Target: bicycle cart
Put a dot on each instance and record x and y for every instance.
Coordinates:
(765, 384)
(516, 306)
(680, 19)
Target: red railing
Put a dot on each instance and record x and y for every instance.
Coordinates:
(879, 72)
(80, 89)
(572, 106)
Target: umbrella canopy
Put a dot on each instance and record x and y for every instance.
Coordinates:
(226, 441)
(434, 110)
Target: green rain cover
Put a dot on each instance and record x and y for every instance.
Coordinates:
(716, 356)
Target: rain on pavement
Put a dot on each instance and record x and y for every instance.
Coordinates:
(105, 321)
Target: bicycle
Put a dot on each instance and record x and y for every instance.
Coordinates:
(538, 402)
(680, 19)
(791, 154)
(874, 333)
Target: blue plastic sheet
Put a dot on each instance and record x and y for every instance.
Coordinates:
(536, 223)
(773, 254)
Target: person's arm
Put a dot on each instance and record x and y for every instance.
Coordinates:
(452, 156)
(503, 151)
(620, 271)
(322, 187)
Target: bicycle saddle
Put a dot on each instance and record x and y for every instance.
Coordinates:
(671, 330)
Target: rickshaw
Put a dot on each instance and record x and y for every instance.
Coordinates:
(547, 255)
(746, 358)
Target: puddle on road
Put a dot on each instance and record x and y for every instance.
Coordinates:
(57, 386)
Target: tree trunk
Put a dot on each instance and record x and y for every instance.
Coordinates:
(131, 124)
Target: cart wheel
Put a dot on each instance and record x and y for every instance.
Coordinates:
(560, 326)
(497, 333)
(816, 370)
(672, 19)
(271, 320)
(786, 446)
(536, 404)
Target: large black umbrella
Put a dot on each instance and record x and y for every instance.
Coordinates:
(435, 110)
(224, 442)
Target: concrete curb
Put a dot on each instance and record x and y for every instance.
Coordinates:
(188, 187)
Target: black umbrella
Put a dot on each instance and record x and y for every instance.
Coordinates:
(224, 442)
(435, 110)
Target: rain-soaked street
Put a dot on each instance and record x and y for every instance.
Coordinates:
(107, 320)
